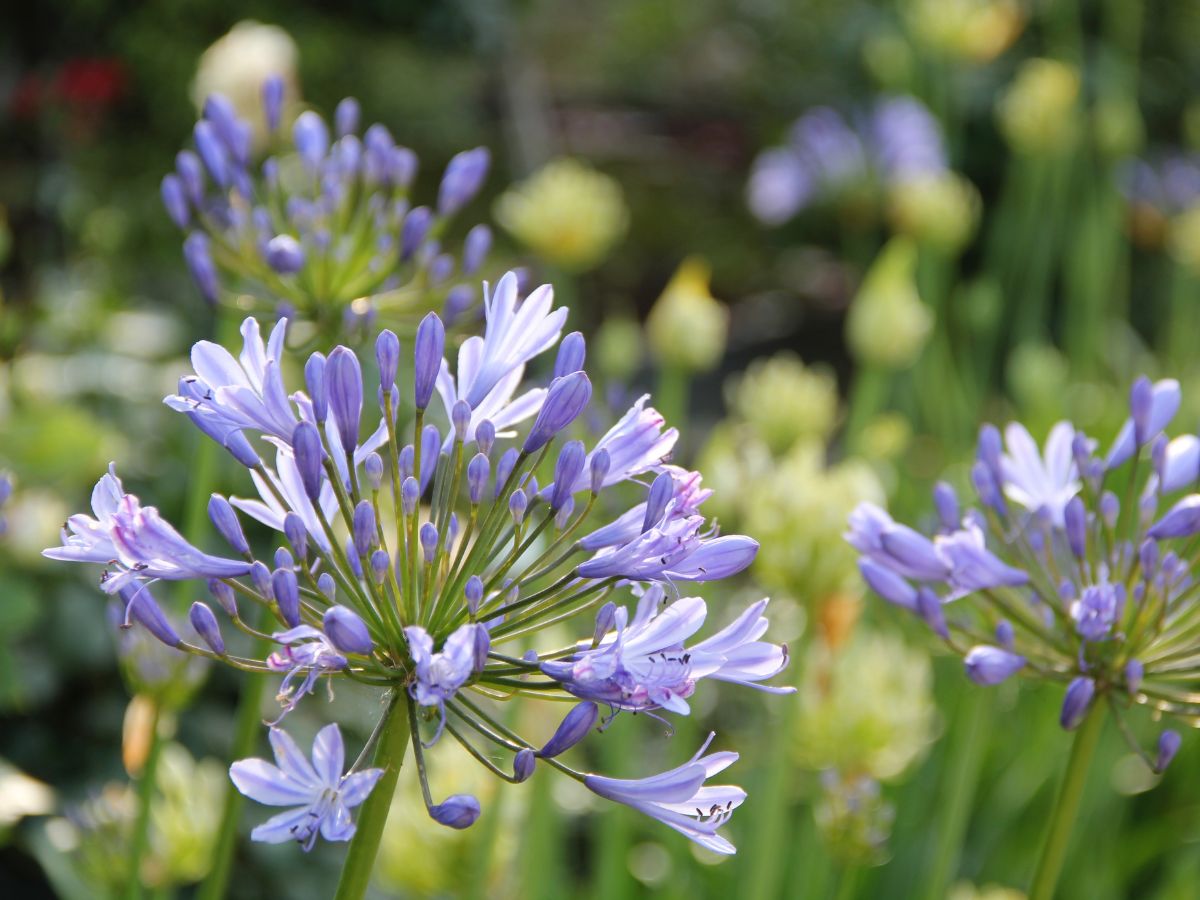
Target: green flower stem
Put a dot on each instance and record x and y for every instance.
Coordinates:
(868, 396)
(963, 765)
(389, 756)
(848, 882)
(1066, 807)
(145, 796)
(672, 398)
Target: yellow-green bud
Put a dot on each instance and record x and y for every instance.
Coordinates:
(1183, 239)
(785, 401)
(888, 324)
(940, 209)
(687, 326)
(567, 213)
(1039, 113)
(973, 31)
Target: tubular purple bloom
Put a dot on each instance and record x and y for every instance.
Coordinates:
(478, 470)
(571, 353)
(344, 386)
(212, 151)
(991, 665)
(564, 402)
(1075, 522)
(311, 137)
(462, 179)
(272, 97)
(929, 608)
(364, 528)
(412, 234)
(566, 471)
(475, 248)
(430, 442)
(679, 797)
(226, 522)
(1168, 745)
(473, 591)
(599, 465)
(284, 254)
(429, 540)
(175, 201)
(206, 626)
(458, 811)
(524, 764)
(225, 596)
(1182, 520)
(346, 631)
(1077, 702)
(460, 419)
(198, 256)
(410, 494)
(1154, 411)
(887, 584)
(314, 379)
(946, 502)
(141, 607)
(287, 595)
(573, 729)
(504, 468)
(373, 466)
(296, 532)
(345, 116)
(387, 356)
(662, 491)
(306, 445)
(321, 797)
(517, 504)
(191, 176)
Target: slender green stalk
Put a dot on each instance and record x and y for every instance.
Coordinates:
(389, 755)
(145, 795)
(965, 760)
(868, 396)
(848, 882)
(672, 398)
(1066, 807)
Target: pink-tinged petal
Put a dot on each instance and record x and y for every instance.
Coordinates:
(284, 827)
(357, 787)
(267, 784)
(329, 755)
(292, 760)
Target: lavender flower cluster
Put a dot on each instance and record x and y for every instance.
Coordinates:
(826, 154)
(326, 227)
(415, 557)
(1056, 576)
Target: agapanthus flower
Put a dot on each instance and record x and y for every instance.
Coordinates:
(421, 556)
(325, 225)
(1052, 576)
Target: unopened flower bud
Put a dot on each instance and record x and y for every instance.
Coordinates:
(475, 248)
(373, 466)
(571, 353)
(563, 515)
(410, 494)
(573, 729)
(477, 475)
(284, 254)
(205, 623)
(226, 522)
(387, 355)
(991, 665)
(1168, 745)
(523, 765)
(517, 504)
(662, 489)
(1077, 702)
(287, 595)
(459, 811)
(224, 596)
(1134, 672)
(504, 469)
(566, 470)
(327, 586)
(344, 385)
(564, 401)
(429, 541)
(460, 418)
(283, 559)
(345, 116)
(462, 179)
(175, 201)
(314, 379)
(601, 461)
(946, 502)
(364, 527)
(260, 576)
(306, 447)
(347, 631)
(427, 358)
(474, 594)
(311, 137)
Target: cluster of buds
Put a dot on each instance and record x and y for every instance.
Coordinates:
(1057, 577)
(414, 558)
(326, 227)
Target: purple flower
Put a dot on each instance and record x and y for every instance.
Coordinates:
(1154, 413)
(1040, 481)
(565, 400)
(780, 186)
(688, 496)
(1181, 467)
(673, 549)
(991, 665)
(438, 676)
(197, 253)
(638, 443)
(906, 139)
(1077, 702)
(134, 541)
(573, 729)
(971, 566)
(284, 254)
(1097, 610)
(1182, 520)
(308, 651)
(645, 665)
(1168, 745)
(462, 179)
(321, 797)
(679, 797)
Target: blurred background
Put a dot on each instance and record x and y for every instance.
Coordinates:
(830, 236)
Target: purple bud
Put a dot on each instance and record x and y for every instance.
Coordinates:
(946, 503)
(347, 631)
(517, 504)
(198, 256)
(429, 541)
(929, 608)
(887, 584)
(485, 436)
(474, 593)
(1081, 450)
(1148, 557)
(272, 97)
(402, 166)
(458, 300)
(504, 468)
(991, 665)
(1141, 405)
(662, 489)
(352, 558)
(483, 644)
(306, 447)
(1158, 455)
(1004, 634)
(213, 152)
(1134, 672)
(460, 418)
(364, 527)
(1168, 746)
(1076, 703)
(226, 522)
(260, 576)
(191, 176)
(605, 617)
(564, 401)
(1075, 520)
(600, 465)
(373, 466)
(523, 765)
(224, 596)
(284, 254)
(990, 447)
(297, 534)
(206, 626)
(311, 137)
(344, 386)
(571, 353)
(387, 355)
(1182, 520)
(478, 470)
(405, 462)
(141, 606)
(462, 180)
(1110, 508)
(573, 729)
(287, 595)
(986, 487)
(427, 358)
(564, 513)
(174, 200)
(380, 563)
(566, 470)
(459, 811)
(476, 246)
(345, 117)
(410, 494)
(440, 269)
(413, 231)
(327, 586)
(431, 442)
(314, 380)
(234, 133)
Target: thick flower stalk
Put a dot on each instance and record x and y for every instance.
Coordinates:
(1055, 576)
(424, 549)
(326, 226)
